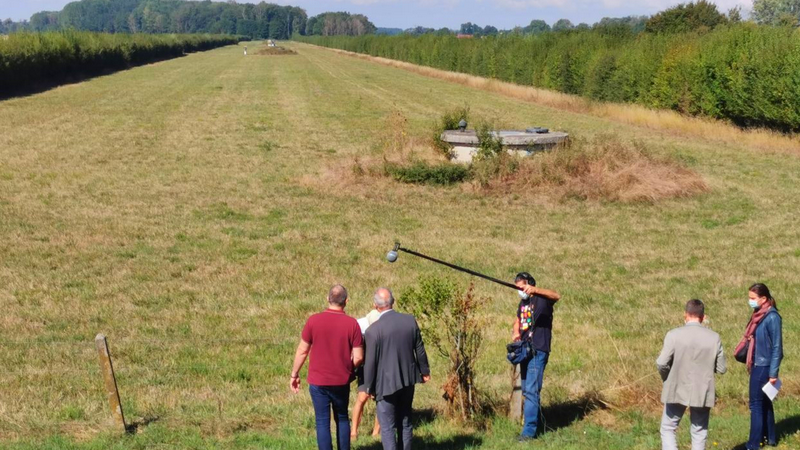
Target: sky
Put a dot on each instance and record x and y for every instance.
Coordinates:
(440, 13)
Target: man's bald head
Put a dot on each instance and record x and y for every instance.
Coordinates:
(337, 295)
(383, 298)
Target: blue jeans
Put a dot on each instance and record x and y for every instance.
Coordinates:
(323, 398)
(532, 372)
(762, 416)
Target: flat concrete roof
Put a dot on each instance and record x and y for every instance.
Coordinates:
(509, 137)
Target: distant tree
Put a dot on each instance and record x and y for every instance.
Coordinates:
(313, 26)
(419, 31)
(489, 30)
(537, 27)
(177, 16)
(44, 21)
(563, 25)
(389, 31)
(583, 26)
(340, 23)
(6, 26)
(278, 27)
(700, 15)
(776, 12)
(615, 25)
(444, 32)
(735, 14)
(471, 28)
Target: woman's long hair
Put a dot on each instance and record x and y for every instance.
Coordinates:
(761, 290)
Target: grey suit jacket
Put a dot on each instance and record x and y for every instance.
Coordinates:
(687, 363)
(395, 355)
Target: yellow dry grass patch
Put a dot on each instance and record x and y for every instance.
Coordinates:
(605, 169)
(275, 51)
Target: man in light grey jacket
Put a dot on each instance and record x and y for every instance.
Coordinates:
(687, 363)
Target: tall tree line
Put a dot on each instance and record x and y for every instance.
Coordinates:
(264, 20)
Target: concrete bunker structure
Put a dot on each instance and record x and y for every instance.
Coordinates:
(516, 142)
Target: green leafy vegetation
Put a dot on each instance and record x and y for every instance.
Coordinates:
(452, 325)
(448, 121)
(700, 16)
(28, 58)
(442, 174)
(743, 73)
(339, 23)
(776, 12)
(261, 21)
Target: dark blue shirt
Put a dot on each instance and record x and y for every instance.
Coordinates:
(536, 321)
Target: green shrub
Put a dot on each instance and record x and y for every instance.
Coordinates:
(448, 121)
(489, 145)
(485, 171)
(449, 323)
(444, 174)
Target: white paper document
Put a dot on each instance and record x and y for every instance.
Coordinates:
(772, 389)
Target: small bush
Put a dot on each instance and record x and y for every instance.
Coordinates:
(449, 323)
(489, 145)
(448, 121)
(485, 171)
(444, 174)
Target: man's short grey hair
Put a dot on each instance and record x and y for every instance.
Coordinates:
(383, 298)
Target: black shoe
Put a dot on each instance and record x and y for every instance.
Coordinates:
(524, 438)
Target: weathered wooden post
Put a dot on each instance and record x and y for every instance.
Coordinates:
(515, 405)
(112, 392)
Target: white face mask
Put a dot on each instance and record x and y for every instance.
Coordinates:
(753, 303)
(523, 295)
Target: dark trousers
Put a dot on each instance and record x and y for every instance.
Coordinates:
(394, 411)
(324, 398)
(762, 416)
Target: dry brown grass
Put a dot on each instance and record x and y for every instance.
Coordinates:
(396, 146)
(275, 51)
(605, 169)
(662, 120)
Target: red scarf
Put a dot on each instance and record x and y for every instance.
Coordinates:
(750, 334)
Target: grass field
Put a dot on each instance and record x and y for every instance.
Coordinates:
(192, 211)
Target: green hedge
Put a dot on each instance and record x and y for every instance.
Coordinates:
(30, 58)
(443, 174)
(744, 73)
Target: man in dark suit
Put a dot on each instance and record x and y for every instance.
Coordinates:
(395, 361)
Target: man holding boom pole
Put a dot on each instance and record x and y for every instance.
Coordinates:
(534, 324)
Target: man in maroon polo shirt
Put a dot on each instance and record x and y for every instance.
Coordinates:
(334, 340)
